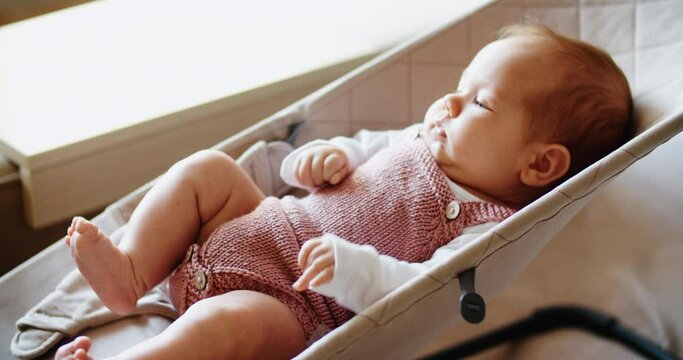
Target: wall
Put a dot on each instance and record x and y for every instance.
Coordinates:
(16, 10)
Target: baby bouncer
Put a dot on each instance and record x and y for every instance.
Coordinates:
(644, 37)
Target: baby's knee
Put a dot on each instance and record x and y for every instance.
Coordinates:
(217, 320)
(217, 309)
(204, 162)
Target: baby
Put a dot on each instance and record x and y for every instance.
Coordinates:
(262, 277)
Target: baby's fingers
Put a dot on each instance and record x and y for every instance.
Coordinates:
(303, 170)
(333, 163)
(323, 277)
(339, 175)
(305, 252)
(316, 268)
(317, 168)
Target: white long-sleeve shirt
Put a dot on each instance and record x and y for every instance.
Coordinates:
(362, 275)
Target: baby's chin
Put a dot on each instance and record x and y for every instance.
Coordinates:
(437, 150)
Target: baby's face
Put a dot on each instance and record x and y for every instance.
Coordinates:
(479, 134)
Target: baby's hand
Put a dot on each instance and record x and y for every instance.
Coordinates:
(321, 164)
(316, 260)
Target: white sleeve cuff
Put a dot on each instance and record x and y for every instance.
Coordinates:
(362, 276)
(351, 276)
(288, 164)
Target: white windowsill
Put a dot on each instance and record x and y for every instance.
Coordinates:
(92, 78)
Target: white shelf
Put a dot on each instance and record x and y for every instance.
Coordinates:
(85, 81)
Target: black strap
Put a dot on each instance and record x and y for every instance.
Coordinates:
(472, 305)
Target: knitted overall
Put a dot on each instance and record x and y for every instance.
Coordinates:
(396, 202)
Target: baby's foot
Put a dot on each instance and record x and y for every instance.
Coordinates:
(107, 268)
(75, 350)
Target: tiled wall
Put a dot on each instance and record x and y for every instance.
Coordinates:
(639, 34)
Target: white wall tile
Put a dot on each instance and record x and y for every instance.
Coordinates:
(338, 109)
(310, 131)
(658, 66)
(383, 96)
(430, 82)
(605, 2)
(626, 63)
(485, 24)
(449, 48)
(376, 126)
(544, 3)
(659, 23)
(563, 20)
(609, 27)
(651, 107)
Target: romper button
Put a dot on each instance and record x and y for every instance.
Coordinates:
(199, 280)
(452, 210)
(188, 254)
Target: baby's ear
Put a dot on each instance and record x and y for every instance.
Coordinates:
(546, 163)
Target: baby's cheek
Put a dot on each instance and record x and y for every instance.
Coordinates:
(433, 113)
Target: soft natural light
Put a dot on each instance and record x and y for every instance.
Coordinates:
(86, 71)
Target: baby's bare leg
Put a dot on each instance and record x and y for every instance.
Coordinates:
(236, 325)
(190, 200)
(205, 188)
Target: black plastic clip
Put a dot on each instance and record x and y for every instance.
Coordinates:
(472, 306)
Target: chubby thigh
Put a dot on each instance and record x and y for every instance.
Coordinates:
(239, 324)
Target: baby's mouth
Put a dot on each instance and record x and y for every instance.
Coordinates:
(439, 132)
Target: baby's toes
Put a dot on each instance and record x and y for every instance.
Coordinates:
(66, 352)
(86, 228)
(69, 234)
(70, 230)
(81, 355)
(77, 349)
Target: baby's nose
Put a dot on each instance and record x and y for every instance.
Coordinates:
(453, 104)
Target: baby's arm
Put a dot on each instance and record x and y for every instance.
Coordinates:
(356, 150)
(357, 275)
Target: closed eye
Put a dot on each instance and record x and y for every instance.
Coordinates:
(481, 105)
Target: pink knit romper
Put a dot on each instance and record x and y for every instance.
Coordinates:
(396, 201)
